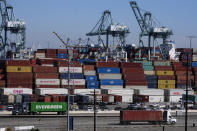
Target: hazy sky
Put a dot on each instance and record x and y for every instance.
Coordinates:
(74, 18)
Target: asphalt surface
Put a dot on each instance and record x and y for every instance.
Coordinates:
(81, 123)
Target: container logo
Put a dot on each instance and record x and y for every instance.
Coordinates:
(108, 70)
(43, 107)
(111, 82)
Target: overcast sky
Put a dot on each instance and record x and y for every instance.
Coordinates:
(75, 18)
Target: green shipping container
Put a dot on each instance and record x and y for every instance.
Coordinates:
(48, 106)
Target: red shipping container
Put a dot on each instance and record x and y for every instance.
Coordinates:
(135, 77)
(62, 98)
(117, 98)
(62, 51)
(2, 83)
(130, 64)
(74, 86)
(47, 86)
(1, 76)
(163, 68)
(141, 116)
(20, 75)
(44, 69)
(105, 98)
(51, 51)
(63, 63)
(46, 75)
(133, 71)
(136, 83)
(47, 61)
(166, 77)
(18, 63)
(47, 98)
(88, 67)
(107, 64)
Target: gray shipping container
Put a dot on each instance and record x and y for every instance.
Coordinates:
(110, 76)
(19, 98)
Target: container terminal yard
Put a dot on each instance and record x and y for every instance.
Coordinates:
(97, 87)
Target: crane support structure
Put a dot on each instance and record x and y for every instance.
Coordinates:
(151, 29)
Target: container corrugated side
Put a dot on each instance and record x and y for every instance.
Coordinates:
(73, 82)
(71, 69)
(47, 81)
(15, 91)
(87, 91)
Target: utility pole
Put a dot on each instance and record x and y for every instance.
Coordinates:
(188, 82)
(94, 110)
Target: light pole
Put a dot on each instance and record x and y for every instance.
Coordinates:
(189, 60)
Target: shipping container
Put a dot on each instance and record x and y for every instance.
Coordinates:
(111, 82)
(117, 91)
(166, 86)
(71, 69)
(111, 87)
(46, 75)
(108, 70)
(19, 69)
(164, 72)
(87, 91)
(149, 91)
(72, 76)
(15, 91)
(107, 64)
(44, 91)
(91, 78)
(89, 72)
(166, 82)
(156, 98)
(44, 69)
(88, 67)
(47, 82)
(135, 87)
(73, 82)
(110, 76)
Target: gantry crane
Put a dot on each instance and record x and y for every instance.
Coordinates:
(105, 26)
(151, 29)
(13, 26)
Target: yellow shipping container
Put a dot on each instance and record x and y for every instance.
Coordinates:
(164, 72)
(19, 69)
(166, 86)
(166, 82)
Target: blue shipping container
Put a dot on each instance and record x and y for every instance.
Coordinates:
(90, 78)
(194, 64)
(111, 82)
(92, 87)
(152, 85)
(62, 56)
(108, 70)
(72, 76)
(92, 83)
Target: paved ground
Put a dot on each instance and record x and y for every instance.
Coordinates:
(86, 124)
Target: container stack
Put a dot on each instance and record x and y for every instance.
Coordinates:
(181, 75)
(134, 76)
(77, 80)
(186, 54)
(165, 73)
(51, 53)
(109, 75)
(92, 82)
(148, 68)
(62, 53)
(152, 81)
(46, 77)
(19, 74)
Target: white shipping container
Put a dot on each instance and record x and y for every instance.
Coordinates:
(89, 72)
(111, 99)
(177, 92)
(87, 91)
(73, 82)
(40, 55)
(110, 76)
(43, 91)
(111, 87)
(154, 98)
(149, 72)
(47, 81)
(152, 92)
(15, 91)
(136, 87)
(127, 98)
(194, 58)
(194, 50)
(71, 69)
(11, 98)
(174, 98)
(117, 91)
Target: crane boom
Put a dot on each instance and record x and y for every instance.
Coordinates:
(60, 38)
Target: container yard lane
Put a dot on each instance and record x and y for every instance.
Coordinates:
(84, 122)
